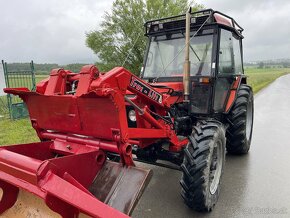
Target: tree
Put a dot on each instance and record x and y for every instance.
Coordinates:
(121, 34)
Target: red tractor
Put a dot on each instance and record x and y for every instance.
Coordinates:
(191, 105)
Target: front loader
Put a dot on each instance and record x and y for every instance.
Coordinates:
(191, 105)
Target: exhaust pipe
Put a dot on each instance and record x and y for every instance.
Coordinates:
(186, 66)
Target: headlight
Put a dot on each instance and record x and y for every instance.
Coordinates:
(132, 115)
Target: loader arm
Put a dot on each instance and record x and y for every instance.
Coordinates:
(115, 85)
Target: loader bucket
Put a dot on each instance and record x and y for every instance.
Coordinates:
(119, 189)
(106, 189)
(67, 173)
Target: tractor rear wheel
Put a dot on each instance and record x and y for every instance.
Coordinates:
(202, 167)
(239, 132)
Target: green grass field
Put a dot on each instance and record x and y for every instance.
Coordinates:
(260, 78)
(20, 131)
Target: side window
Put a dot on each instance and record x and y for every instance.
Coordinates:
(237, 56)
(230, 59)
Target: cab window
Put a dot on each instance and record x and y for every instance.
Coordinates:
(230, 58)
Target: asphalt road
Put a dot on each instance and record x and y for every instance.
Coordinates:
(254, 185)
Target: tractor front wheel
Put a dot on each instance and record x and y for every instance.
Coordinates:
(202, 167)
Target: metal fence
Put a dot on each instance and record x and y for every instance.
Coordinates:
(15, 78)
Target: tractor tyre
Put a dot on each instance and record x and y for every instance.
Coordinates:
(239, 132)
(202, 167)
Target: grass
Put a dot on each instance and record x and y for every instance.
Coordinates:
(16, 131)
(260, 78)
(20, 131)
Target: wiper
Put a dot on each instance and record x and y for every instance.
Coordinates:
(159, 51)
(192, 49)
(203, 59)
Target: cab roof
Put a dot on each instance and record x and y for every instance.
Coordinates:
(198, 18)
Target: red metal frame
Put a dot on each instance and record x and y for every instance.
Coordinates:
(34, 168)
(79, 129)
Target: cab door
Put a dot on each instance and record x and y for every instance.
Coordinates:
(229, 67)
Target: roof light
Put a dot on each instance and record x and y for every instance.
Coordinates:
(156, 28)
(193, 20)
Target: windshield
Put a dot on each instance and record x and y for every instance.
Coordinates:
(166, 55)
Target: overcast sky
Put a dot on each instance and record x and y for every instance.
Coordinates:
(54, 31)
(266, 24)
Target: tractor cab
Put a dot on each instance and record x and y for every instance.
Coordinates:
(215, 56)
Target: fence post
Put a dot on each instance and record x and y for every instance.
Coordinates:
(18, 78)
(4, 64)
(33, 75)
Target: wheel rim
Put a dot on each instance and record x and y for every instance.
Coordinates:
(249, 119)
(216, 167)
